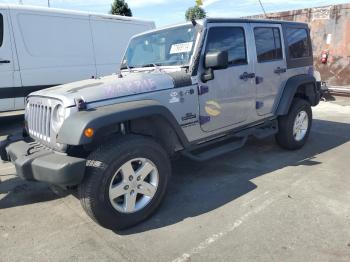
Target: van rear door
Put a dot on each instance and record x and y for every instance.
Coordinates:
(53, 48)
(7, 90)
(110, 38)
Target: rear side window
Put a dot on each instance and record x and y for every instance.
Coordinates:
(230, 39)
(298, 43)
(268, 44)
(1, 29)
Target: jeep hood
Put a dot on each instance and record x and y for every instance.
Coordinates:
(108, 87)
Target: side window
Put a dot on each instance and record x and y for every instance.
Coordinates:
(230, 39)
(1, 29)
(268, 44)
(298, 43)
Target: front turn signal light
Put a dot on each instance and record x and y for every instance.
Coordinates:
(89, 132)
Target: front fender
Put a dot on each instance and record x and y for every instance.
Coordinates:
(72, 130)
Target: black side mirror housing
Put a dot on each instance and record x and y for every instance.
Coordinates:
(216, 60)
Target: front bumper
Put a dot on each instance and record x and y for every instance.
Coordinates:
(37, 163)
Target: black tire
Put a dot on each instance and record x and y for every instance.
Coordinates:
(285, 137)
(103, 163)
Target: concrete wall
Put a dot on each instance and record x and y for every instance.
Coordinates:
(330, 30)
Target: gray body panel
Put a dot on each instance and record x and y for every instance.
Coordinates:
(230, 100)
(108, 87)
(270, 82)
(107, 117)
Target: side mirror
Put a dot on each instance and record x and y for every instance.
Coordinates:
(213, 61)
(216, 60)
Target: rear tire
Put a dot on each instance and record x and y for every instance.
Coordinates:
(294, 128)
(136, 164)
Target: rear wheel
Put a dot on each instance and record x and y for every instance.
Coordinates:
(125, 181)
(294, 128)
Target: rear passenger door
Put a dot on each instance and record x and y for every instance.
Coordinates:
(270, 65)
(7, 90)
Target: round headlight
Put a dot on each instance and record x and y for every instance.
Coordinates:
(58, 117)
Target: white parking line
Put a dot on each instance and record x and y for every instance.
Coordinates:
(212, 239)
(254, 199)
(215, 237)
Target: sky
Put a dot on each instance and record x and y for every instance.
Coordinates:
(165, 12)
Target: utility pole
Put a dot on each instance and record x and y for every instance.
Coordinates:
(48, 3)
(20, 2)
(262, 7)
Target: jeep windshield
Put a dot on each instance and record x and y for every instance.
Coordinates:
(170, 47)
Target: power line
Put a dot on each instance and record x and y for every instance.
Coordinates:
(262, 7)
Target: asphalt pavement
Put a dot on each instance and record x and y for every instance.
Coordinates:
(260, 203)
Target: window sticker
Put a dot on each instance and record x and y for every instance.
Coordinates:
(181, 48)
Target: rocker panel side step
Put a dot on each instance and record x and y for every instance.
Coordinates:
(206, 153)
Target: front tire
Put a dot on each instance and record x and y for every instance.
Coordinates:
(125, 181)
(294, 128)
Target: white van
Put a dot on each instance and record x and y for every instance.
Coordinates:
(43, 47)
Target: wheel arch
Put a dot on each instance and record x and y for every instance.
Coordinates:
(301, 86)
(146, 117)
(159, 128)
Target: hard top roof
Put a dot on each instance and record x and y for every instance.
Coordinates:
(250, 20)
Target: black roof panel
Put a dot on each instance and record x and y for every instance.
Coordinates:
(251, 20)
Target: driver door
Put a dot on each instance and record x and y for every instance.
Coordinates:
(229, 98)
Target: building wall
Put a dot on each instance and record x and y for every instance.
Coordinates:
(330, 30)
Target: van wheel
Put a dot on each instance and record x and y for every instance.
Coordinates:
(125, 181)
(294, 128)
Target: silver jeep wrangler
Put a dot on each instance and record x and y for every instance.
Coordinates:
(197, 89)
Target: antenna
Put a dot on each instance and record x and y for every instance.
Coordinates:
(262, 7)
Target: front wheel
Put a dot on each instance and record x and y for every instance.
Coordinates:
(294, 128)
(125, 181)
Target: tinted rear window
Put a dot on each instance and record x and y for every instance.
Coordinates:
(298, 43)
(1, 29)
(268, 44)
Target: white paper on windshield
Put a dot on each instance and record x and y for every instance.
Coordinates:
(181, 48)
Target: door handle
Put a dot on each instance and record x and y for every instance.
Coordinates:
(245, 76)
(5, 61)
(280, 70)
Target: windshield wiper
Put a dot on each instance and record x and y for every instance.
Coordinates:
(126, 67)
(152, 65)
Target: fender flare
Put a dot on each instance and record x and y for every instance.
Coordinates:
(72, 130)
(290, 89)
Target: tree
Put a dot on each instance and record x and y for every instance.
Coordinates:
(120, 7)
(194, 13)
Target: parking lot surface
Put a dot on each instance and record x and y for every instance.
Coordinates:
(260, 203)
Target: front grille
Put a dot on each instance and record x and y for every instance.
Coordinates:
(39, 121)
(39, 112)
